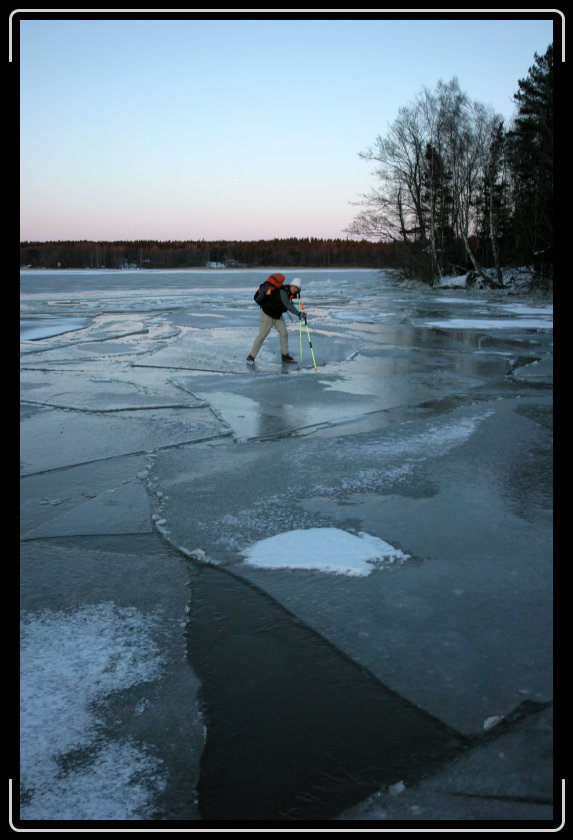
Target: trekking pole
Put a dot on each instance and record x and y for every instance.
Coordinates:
(309, 341)
(300, 330)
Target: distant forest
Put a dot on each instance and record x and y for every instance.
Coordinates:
(271, 253)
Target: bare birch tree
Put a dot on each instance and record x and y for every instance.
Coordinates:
(429, 166)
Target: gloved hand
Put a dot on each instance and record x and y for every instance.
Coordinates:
(302, 316)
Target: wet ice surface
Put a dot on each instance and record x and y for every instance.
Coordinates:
(152, 453)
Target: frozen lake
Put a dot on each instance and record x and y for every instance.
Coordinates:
(264, 593)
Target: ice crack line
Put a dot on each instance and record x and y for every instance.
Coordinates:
(150, 407)
(146, 451)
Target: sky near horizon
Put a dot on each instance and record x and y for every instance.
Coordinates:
(233, 128)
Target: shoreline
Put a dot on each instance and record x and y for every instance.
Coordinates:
(515, 287)
(208, 268)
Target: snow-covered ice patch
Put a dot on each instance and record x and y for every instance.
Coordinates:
(325, 550)
(450, 281)
(70, 662)
(437, 439)
(528, 309)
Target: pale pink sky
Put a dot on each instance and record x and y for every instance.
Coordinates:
(232, 129)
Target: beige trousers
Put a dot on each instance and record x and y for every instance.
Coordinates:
(265, 325)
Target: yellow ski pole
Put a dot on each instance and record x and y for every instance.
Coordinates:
(300, 330)
(308, 333)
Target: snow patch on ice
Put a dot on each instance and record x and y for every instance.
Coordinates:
(70, 769)
(325, 550)
(438, 439)
(199, 555)
(492, 721)
(397, 789)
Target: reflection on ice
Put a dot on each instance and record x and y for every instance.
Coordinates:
(513, 315)
(493, 323)
(32, 329)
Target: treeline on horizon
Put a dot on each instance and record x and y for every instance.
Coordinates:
(268, 253)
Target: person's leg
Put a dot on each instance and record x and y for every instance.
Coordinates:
(280, 326)
(265, 324)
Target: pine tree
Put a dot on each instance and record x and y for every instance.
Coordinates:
(531, 144)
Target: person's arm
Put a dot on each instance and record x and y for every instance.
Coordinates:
(288, 304)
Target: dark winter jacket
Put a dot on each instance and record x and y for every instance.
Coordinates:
(279, 301)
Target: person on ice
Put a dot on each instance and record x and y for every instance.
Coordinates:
(274, 299)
